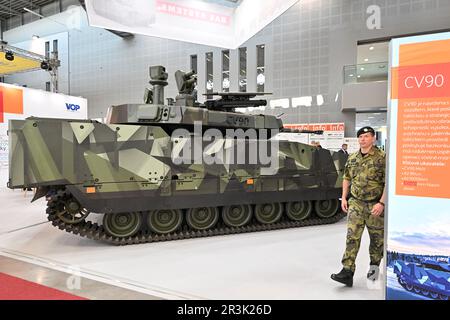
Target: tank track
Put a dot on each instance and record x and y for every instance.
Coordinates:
(95, 231)
(416, 290)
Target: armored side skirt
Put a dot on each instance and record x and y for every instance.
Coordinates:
(122, 168)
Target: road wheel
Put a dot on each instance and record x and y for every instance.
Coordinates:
(237, 215)
(202, 218)
(164, 221)
(326, 208)
(268, 212)
(299, 210)
(122, 225)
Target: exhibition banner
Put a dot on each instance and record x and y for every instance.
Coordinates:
(219, 24)
(418, 233)
(20, 103)
(331, 139)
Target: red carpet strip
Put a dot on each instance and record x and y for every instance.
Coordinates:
(13, 288)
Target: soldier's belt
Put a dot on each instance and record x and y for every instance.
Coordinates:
(366, 201)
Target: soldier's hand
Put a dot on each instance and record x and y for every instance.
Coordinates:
(377, 209)
(344, 205)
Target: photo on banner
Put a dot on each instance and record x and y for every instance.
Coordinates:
(418, 233)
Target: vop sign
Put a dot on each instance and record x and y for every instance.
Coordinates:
(72, 107)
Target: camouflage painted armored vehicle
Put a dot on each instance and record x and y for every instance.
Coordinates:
(179, 170)
(429, 278)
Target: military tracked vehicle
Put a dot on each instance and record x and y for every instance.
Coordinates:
(429, 278)
(163, 171)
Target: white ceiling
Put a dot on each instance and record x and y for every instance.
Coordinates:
(375, 120)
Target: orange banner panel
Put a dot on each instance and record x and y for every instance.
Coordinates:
(421, 84)
(430, 52)
(12, 100)
(423, 147)
(423, 81)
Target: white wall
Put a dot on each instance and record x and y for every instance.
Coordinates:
(364, 96)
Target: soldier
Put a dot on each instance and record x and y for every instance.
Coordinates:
(364, 177)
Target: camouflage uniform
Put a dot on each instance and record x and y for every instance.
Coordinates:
(367, 177)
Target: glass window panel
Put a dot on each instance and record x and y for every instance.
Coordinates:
(55, 45)
(226, 71)
(260, 68)
(209, 74)
(242, 69)
(47, 49)
(194, 63)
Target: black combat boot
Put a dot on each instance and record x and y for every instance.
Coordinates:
(345, 277)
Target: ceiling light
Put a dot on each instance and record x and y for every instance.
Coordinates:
(320, 100)
(371, 48)
(362, 69)
(366, 59)
(350, 75)
(359, 76)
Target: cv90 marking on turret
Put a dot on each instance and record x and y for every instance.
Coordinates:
(238, 120)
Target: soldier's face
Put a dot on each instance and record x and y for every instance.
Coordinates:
(366, 140)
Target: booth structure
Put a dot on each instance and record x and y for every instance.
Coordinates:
(19, 103)
(418, 224)
(16, 60)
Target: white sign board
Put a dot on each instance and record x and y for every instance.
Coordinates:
(294, 137)
(332, 137)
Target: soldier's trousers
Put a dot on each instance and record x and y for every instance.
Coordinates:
(359, 216)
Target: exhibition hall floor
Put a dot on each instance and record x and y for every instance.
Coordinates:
(283, 264)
